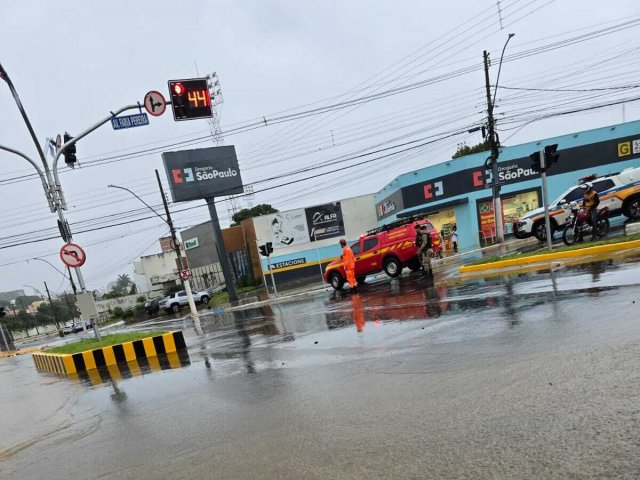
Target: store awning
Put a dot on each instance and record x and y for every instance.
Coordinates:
(435, 209)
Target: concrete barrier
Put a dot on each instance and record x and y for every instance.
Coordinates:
(67, 363)
(632, 228)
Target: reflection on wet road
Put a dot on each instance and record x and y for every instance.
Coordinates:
(529, 376)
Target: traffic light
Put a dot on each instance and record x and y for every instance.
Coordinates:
(2, 312)
(535, 162)
(69, 152)
(266, 249)
(190, 99)
(550, 155)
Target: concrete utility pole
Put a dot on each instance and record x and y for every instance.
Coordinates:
(494, 143)
(174, 239)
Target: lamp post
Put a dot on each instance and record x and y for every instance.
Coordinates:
(174, 239)
(494, 142)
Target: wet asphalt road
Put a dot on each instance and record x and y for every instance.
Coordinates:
(530, 376)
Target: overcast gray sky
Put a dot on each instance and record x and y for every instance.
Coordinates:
(75, 61)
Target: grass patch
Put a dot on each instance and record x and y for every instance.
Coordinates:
(221, 298)
(107, 340)
(565, 248)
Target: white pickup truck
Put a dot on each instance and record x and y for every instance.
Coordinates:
(618, 191)
(175, 301)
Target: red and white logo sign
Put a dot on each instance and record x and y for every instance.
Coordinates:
(73, 255)
(154, 103)
(185, 274)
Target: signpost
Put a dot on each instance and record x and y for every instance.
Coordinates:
(73, 255)
(129, 121)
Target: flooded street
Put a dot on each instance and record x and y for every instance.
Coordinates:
(530, 376)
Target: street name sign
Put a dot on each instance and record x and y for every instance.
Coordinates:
(129, 121)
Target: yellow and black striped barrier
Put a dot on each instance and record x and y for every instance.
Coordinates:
(134, 368)
(145, 348)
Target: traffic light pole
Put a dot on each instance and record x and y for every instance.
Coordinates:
(545, 199)
(273, 280)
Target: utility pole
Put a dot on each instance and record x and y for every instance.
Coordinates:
(493, 144)
(174, 238)
(53, 310)
(185, 282)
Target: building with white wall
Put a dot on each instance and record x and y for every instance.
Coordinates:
(305, 240)
(154, 273)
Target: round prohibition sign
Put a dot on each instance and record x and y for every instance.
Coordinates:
(73, 255)
(155, 103)
(185, 274)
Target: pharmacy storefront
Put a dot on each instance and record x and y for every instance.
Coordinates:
(458, 191)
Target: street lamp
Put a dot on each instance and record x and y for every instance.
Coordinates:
(494, 143)
(174, 240)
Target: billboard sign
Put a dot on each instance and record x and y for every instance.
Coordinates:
(203, 173)
(325, 221)
(288, 229)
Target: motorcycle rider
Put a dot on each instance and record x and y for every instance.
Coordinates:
(590, 201)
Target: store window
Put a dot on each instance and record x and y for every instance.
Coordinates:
(443, 222)
(515, 206)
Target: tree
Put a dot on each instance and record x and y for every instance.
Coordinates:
(262, 209)
(464, 149)
(123, 282)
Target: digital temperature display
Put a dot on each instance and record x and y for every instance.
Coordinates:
(190, 99)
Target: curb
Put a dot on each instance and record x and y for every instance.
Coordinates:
(550, 257)
(69, 363)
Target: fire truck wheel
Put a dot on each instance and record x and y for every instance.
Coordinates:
(336, 280)
(392, 267)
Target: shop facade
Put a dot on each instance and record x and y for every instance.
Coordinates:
(457, 192)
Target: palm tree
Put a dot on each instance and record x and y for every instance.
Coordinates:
(123, 282)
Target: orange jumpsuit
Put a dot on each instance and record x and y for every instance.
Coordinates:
(349, 265)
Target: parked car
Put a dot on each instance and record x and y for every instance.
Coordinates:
(75, 327)
(152, 306)
(175, 301)
(620, 192)
(390, 248)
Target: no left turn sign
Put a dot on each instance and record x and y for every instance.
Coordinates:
(73, 255)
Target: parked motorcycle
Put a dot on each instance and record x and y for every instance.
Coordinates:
(579, 224)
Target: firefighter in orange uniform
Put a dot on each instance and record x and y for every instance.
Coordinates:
(349, 261)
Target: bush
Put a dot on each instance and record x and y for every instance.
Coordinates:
(172, 289)
(117, 312)
(141, 300)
